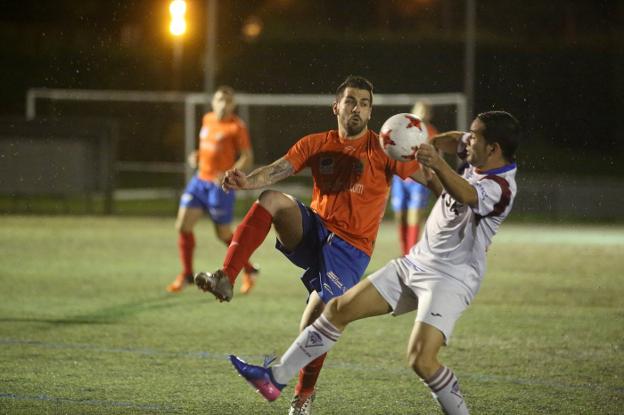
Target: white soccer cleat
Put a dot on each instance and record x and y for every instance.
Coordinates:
(302, 404)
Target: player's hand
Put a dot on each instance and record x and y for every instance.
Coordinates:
(428, 156)
(233, 179)
(192, 159)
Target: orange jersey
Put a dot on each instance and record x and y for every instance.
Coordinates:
(351, 182)
(220, 143)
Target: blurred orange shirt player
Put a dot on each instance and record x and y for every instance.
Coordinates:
(220, 143)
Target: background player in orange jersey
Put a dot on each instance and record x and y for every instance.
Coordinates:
(223, 144)
(332, 240)
(408, 198)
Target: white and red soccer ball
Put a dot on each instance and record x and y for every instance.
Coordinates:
(401, 135)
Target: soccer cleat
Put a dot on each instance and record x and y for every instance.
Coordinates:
(249, 280)
(302, 404)
(259, 377)
(216, 283)
(179, 283)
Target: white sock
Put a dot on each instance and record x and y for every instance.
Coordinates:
(312, 342)
(445, 388)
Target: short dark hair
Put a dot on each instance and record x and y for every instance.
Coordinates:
(354, 81)
(226, 89)
(503, 128)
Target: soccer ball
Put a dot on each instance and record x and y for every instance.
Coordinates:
(401, 134)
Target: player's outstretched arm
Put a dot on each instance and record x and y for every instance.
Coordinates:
(261, 177)
(245, 160)
(447, 142)
(453, 183)
(427, 178)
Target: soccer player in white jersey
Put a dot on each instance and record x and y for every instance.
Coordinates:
(440, 275)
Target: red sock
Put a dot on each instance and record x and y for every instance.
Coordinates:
(247, 265)
(403, 238)
(247, 238)
(309, 375)
(186, 246)
(413, 231)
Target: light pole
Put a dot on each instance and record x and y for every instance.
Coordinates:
(177, 28)
(210, 51)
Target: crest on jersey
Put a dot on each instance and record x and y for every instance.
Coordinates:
(358, 167)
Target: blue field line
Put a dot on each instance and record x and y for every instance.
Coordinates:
(481, 378)
(91, 402)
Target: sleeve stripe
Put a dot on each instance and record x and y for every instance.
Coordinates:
(505, 198)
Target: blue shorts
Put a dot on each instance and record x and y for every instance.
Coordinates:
(209, 196)
(331, 265)
(408, 194)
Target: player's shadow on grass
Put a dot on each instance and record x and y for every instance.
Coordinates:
(112, 314)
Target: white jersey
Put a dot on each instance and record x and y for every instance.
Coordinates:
(457, 236)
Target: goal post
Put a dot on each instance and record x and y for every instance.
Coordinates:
(269, 116)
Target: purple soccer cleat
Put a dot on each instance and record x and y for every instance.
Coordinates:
(259, 377)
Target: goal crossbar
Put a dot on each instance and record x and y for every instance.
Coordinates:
(244, 101)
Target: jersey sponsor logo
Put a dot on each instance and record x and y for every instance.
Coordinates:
(326, 165)
(207, 145)
(357, 188)
(436, 314)
(203, 133)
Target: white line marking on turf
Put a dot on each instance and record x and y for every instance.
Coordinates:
(335, 365)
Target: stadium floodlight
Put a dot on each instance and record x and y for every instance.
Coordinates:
(177, 10)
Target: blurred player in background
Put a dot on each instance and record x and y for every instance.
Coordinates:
(223, 144)
(332, 240)
(440, 275)
(410, 199)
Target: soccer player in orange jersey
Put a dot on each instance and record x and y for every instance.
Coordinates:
(223, 144)
(333, 238)
(440, 275)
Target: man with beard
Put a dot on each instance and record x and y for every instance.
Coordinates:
(333, 239)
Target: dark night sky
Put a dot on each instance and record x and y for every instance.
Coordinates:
(558, 65)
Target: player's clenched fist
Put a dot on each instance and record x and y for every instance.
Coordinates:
(233, 179)
(427, 155)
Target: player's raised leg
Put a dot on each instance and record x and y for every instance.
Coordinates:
(359, 302)
(272, 207)
(424, 345)
(185, 223)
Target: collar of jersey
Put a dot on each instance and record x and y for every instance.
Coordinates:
(498, 170)
(359, 140)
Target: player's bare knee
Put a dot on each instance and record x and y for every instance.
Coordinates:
(181, 227)
(271, 200)
(337, 312)
(422, 364)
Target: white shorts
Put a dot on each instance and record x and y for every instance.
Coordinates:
(438, 299)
